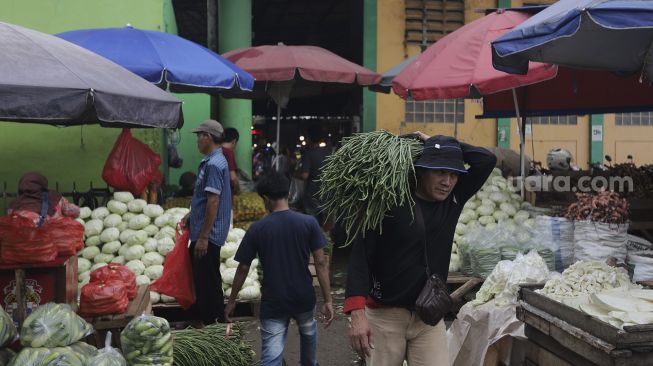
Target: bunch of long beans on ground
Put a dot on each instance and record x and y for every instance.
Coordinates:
(371, 174)
(210, 346)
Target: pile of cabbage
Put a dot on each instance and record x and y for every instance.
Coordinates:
(131, 232)
(603, 292)
(252, 287)
(494, 208)
(134, 233)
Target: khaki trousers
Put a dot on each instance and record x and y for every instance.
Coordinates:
(399, 334)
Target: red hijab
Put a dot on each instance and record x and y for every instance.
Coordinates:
(30, 194)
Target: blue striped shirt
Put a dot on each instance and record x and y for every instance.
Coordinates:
(213, 177)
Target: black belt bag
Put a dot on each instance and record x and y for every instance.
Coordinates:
(434, 302)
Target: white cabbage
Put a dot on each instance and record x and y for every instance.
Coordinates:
(228, 250)
(167, 299)
(111, 247)
(162, 220)
(112, 220)
(93, 227)
(484, 210)
(103, 258)
(136, 266)
(123, 226)
(119, 259)
(126, 235)
(100, 213)
(84, 213)
(165, 232)
(151, 230)
(165, 246)
(134, 252)
(97, 265)
(136, 206)
(228, 275)
(117, 207)
(110, 234)
(231, 262)
(142, 280)
(139, 222)
(93, 241)
(139, 238)
(152, 259)
(154, 272)
(128, 216)
(83, 264)
(155, 297)
(90, 252)
(124, 197)
(153, 211)
(151, 245)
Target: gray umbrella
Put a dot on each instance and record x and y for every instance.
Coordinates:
(44, 79)
(385, 85)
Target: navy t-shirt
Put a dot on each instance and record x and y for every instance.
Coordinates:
(283, 241)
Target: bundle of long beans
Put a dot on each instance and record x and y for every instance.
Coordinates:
(371, 174)
(210, 346)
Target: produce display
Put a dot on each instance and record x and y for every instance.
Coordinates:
(641, 176)
(210, 346)
(493, 226)
(107, 356)
(103, 297)
(248, 206)
(47, 357)
(53, 325)
(131, 232)
(605, 207)
(585, 278)
(252, 287)
(504, 281)
(371, 174)
(147, 341)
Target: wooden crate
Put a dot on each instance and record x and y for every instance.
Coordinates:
(26, 286)
(141, 304)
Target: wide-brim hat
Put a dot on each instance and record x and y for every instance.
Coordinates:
(442, 153)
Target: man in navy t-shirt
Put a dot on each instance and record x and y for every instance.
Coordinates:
(283, 241)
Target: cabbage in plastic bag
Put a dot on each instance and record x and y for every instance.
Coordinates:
(107, 356)
(53, 325)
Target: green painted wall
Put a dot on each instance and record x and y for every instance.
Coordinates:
(369, 61)
(596, 138)
(77, 154)
(235, 31)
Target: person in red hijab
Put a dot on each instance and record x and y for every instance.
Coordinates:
(32, 194)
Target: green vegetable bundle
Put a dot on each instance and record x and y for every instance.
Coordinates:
(8, 332)
(47, 357)
(210, 347)
(371, 174)
(147, 341)
(53, 325)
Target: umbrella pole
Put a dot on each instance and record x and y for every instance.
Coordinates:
(522, 138)
(278, 136)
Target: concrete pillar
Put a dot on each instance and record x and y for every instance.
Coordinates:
(235, 31)
(596, 139)
(369, 61)
(503, 124)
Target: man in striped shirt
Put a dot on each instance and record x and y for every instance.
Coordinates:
(208, 221)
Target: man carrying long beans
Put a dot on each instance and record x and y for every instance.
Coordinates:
(387, 267)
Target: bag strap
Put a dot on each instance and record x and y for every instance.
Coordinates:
(45, 206)
(419, 219)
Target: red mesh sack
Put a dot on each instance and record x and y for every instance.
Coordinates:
(115, 271)
(67, 235)
(177, 278)
(131, 165)
(103, 298)
(23, 242)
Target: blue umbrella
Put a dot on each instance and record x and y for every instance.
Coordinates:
(613, 35)
(165, 59)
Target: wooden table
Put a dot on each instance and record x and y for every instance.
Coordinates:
(141, 304)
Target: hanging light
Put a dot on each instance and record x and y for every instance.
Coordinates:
(301, 138)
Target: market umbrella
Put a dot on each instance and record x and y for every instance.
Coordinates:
(284, 72)
(44, 79)
(610, 35)
(164, 59)
(460, 66)
(385, 85)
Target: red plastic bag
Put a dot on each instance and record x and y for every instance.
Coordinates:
(116, 272)
(103, 298)
(177, 278)
(23, 242)
(67, 235)
(131, 165)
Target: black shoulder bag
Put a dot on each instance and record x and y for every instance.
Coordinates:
(434, 302)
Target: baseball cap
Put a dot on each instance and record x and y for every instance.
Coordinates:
(210, 126)
(442, 153)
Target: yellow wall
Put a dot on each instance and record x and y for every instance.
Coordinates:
(391, 50)
(622, 141)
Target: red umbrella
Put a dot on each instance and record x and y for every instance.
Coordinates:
(284, 71)
(460, 65)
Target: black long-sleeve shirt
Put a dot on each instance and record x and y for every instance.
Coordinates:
(390, 267)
